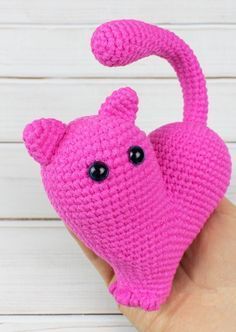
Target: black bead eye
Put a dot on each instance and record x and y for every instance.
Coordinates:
(136, 155)
(98, 171)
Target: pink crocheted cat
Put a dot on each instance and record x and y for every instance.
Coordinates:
(137, 201)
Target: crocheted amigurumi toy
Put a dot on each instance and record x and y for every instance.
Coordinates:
(136, 200)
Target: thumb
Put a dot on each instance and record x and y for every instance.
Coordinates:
(103, 268)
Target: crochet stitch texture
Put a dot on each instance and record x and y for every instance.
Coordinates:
(139, 217)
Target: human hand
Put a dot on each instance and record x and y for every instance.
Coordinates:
(203, 296)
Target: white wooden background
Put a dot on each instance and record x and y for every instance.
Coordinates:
(46, 69)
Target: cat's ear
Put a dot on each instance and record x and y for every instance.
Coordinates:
(42, 137)
(122, 103)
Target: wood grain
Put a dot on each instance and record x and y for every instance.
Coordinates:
(98, 11)
(43, 271)
(22, 194)
(70, 323)
(160, 102)
(64, 51)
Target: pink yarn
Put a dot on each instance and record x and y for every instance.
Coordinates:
(140, 217)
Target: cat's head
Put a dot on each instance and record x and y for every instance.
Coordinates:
(95, 164)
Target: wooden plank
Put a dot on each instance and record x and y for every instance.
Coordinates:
(22, 194)
(98, 11)
(160, 102)
(43, 271)
(64, 51)
(71, 323)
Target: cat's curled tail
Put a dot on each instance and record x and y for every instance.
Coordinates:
(118, 43)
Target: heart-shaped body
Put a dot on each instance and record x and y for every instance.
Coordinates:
(137, 201)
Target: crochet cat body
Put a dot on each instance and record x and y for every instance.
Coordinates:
(137, 201)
